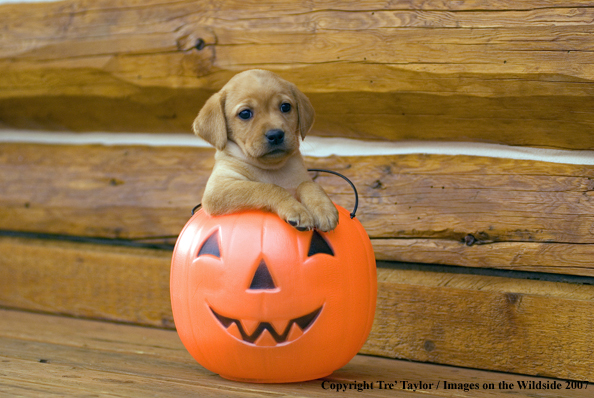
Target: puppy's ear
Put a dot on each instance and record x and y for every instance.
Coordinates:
(211, 124)
(305, 111)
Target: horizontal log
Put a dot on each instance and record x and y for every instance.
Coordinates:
(100, 191)
(414, 70)
(557, 258)
(478, 321)
(85, 280)
(456, 210)
(509, 325)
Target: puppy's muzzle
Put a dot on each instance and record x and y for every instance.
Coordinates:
(275, 137)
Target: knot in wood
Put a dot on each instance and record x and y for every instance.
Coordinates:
(200, 44)
(469, 240)
(377, 184)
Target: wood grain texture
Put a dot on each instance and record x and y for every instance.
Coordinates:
(434, 70)
(510, 325)
(85, 357)
(573, 259)
(93, 281)
(455, 210)
(114, 192)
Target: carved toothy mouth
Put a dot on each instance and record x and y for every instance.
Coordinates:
(265, 334)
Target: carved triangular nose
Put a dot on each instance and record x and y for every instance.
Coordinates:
(262, 278)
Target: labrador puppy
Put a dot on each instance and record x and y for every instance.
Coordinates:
(256, 122)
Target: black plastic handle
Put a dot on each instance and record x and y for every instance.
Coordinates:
(199, 205)
(350, 183)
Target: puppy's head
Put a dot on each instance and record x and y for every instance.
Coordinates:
(262, 113)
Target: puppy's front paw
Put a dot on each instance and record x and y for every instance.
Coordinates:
(319, 205)
(297, 216)
(325, 216)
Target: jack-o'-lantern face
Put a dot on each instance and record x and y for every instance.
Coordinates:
(281, 330)
(255, 299)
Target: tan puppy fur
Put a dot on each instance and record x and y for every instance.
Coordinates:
(258, 164)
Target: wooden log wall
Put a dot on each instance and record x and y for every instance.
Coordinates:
(72, 218)
(458, 210)
(489, 261)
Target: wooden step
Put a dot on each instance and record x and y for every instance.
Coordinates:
(45, 355)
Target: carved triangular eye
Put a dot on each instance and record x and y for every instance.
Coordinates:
(319, 245)
(211, 246)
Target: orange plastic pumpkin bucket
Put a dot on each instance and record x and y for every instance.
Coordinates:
(256, 300)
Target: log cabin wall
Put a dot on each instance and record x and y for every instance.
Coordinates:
(486, 261)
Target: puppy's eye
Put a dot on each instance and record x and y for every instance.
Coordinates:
(245, 114)
(285, 107)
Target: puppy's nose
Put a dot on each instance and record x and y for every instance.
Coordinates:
(275, 137)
